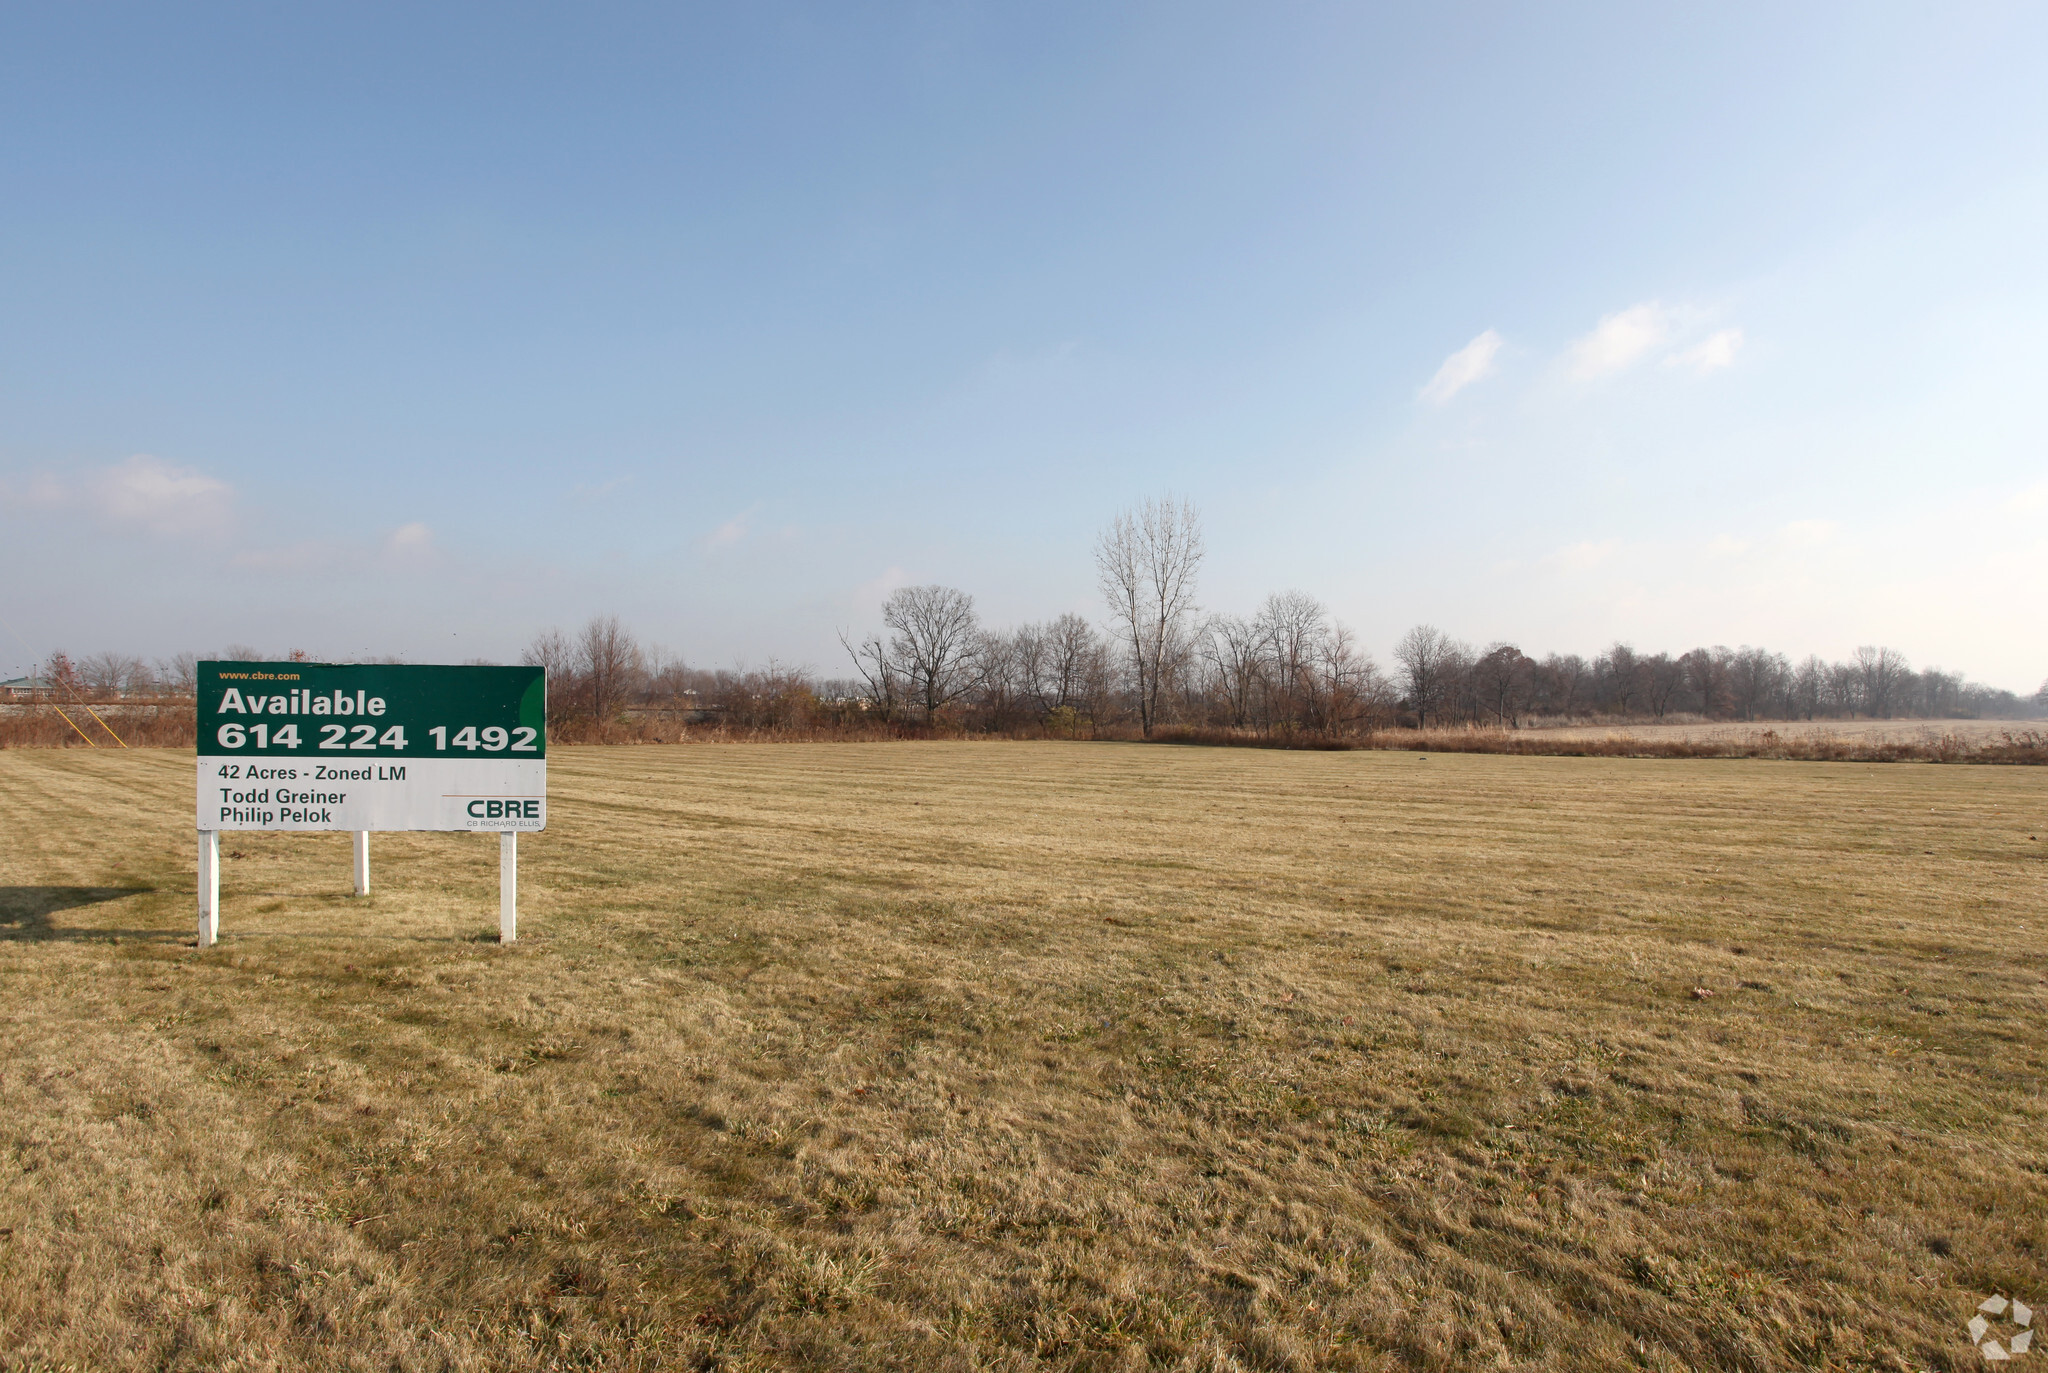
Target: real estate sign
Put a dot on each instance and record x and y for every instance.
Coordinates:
(328, 746)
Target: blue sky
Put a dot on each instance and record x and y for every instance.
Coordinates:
(418, 329)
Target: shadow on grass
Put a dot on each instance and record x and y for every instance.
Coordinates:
(25, 912)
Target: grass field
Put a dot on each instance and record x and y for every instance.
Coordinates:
(999, 1055)
(1871, 731)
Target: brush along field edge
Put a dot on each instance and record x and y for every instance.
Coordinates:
(1012, 1055)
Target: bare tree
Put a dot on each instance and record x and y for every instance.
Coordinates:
(935, 638)
(880, 678)
(1756, 677)
(1292, 625)
(1706, 669)
(1809, 688)
(1561, 683)
(62, 674)
(1081, 663)
(1879, 674)
(1663, 679)
(552, 651)
(111, 674)
(927, 657)
(178, 675)
(1502, 679)
(1000, 685)
(1030, 652)
(1624, 674)
(776, 697)
(1350, 690)
(610, 664)
(1235, 649)
(668, 684)
(1059, 661)
(1938, 694)
(1842, 689)
(1146, 563)
(1428, 659)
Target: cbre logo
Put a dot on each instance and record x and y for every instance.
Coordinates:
(505, 810)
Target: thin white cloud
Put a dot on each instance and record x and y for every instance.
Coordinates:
(2027, 501)
(1620, 341)
(307, 556)
(145, 492)
(584, 491)
(869, 595)
(1710, 354)
(733, 532)
(1808, 533)
(1473, 362)
(159, 496)
(408, 548)
(409, 541)
(40, 492)
(1584, 556)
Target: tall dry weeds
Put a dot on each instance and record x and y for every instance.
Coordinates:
(101, 725)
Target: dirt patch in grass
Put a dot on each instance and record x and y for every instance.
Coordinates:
(1001, 1055)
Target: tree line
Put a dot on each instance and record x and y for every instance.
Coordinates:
(107, 676)
(1159, 662)
(1287, 669)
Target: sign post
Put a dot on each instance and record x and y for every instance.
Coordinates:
(324, 746)
(209, 887)
(508, 886)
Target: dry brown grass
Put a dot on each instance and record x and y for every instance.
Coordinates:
(109, 725)
(1870, 731)
(993, 1055)
(2011, 743)
(2010, 746)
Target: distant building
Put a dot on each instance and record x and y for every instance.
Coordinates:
(27, 689)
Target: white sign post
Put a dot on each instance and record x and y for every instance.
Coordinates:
(508, 886)
(311, 747)
(209, 887)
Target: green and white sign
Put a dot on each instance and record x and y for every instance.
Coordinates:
(328, 746)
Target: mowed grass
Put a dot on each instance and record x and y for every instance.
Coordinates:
(1007, 1055)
